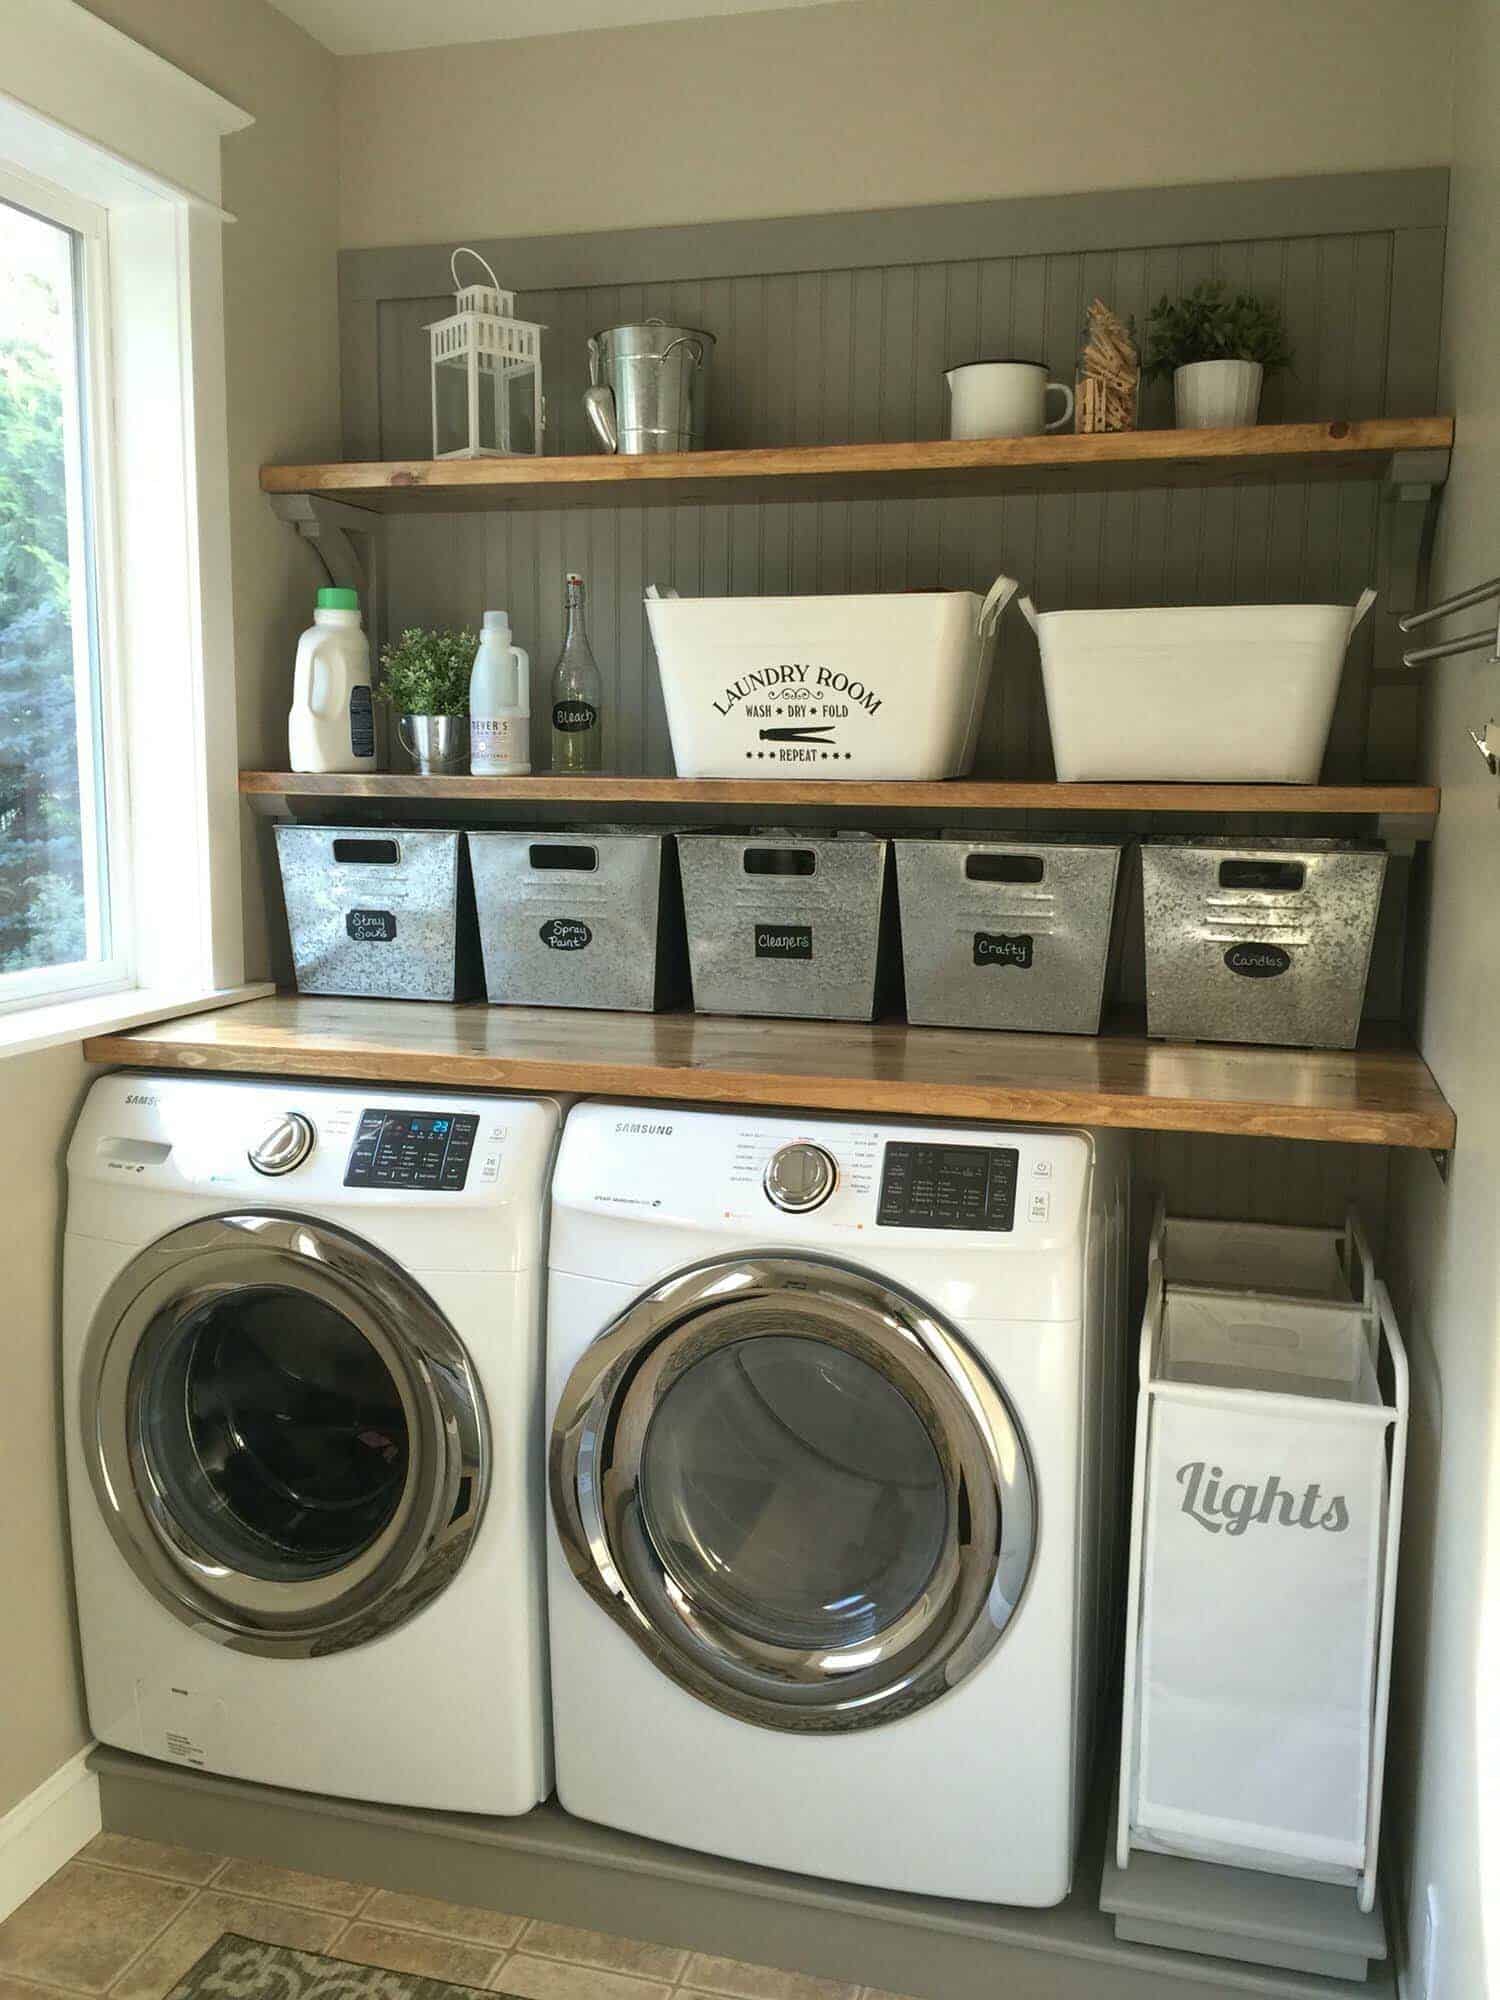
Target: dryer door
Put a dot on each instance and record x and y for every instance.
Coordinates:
(799, 1492)
(284, 1433)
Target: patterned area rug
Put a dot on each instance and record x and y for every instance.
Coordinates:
(238, 1968)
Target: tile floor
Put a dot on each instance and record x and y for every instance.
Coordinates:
(128, 1917)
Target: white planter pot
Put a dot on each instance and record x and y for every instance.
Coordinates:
(1212, 394)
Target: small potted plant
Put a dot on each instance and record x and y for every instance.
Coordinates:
(1218, 347)
(424, 682)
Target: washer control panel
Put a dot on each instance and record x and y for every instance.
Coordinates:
(925, 1186)
(411, 1149)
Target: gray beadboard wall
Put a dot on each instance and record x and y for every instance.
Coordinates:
(839, 328)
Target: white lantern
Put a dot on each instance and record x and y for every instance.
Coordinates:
(486, 374)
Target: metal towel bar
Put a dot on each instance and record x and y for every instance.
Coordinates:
(1467, 642)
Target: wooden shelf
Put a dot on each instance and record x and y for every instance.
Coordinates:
(1380, 1095)
(938, 467)
(954, 794)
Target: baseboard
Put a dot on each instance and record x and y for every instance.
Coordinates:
(46, 1829)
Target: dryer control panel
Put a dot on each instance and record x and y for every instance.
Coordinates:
(927, 1186)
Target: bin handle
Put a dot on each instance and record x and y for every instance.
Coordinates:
(574, 858)
(1366, 599)
(655, 596)
(1029, 613)
(350, 848)
(1000, 592)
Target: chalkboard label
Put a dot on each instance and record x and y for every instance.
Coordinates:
(570, 716)
(565, 934)
(783, 941)
(371, 926)
(1258, 961)
(996, 948)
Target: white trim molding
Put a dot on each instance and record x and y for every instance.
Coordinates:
(88, 80)
(46, 1829)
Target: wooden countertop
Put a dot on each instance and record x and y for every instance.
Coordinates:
(1382, 1094)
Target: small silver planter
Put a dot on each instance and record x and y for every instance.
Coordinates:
(999, 934)
(588, 918)
(1259, 940)
(379, 912)
(436, 744)
(787, 923)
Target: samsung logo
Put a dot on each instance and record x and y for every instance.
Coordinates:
(639, 1126)
(137, 1097)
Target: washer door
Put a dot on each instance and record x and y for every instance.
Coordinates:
(799, 1492)
(283, 1432)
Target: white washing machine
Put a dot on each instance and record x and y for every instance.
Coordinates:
(833, 1418)
(302, 1364)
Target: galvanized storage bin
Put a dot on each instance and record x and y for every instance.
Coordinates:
(787, 923)
(381, 912)
(1259, 940)
(1001, 934)
(579, 918)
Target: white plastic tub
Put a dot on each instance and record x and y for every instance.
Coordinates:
(1226, 693)
(889, 686)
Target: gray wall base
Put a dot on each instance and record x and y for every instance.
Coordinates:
(550, 1865)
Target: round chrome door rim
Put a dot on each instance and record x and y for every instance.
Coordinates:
(423, 1544)
(957, 1618)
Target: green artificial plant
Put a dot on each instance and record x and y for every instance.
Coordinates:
(1210, 323)
(427, 673)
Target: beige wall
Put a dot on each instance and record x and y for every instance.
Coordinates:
(882, 103)
(41, 1718)
(279, 261)
(1448, 1727)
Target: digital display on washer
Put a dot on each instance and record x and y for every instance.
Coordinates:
(948, 1187)
(404, 1149)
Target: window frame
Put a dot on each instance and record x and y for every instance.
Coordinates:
(104, 782)
(97, 119)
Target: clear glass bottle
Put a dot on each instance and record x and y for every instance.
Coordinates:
(577, 695)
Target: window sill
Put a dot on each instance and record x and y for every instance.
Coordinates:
(49, 1025)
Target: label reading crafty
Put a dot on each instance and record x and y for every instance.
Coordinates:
(571, 716)
(370, 926)
(1258, 961)
(996, 948)
(783, 941)
(361, 723)
(565, 934)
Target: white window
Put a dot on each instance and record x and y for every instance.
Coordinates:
(64, 870)
(119, 817)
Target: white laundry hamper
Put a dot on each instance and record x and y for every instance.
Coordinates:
(1264, 1532)
(1223, 693)
(882, 685)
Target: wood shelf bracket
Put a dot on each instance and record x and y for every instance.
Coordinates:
(349, 544)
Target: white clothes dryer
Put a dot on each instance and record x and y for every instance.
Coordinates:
(833, 1417)
(302, 1366)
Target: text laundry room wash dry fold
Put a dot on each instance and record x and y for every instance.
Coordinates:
(887, 686)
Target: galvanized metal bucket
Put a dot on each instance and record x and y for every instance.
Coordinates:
(649, 387)
(379, 912)
(996, 934)
(1259, 940)
(579, 918)
(787, 923)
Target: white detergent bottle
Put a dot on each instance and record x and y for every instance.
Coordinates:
(499, 703)
(331, 725)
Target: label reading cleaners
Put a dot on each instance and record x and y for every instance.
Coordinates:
(996, 948)
(783, 941)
